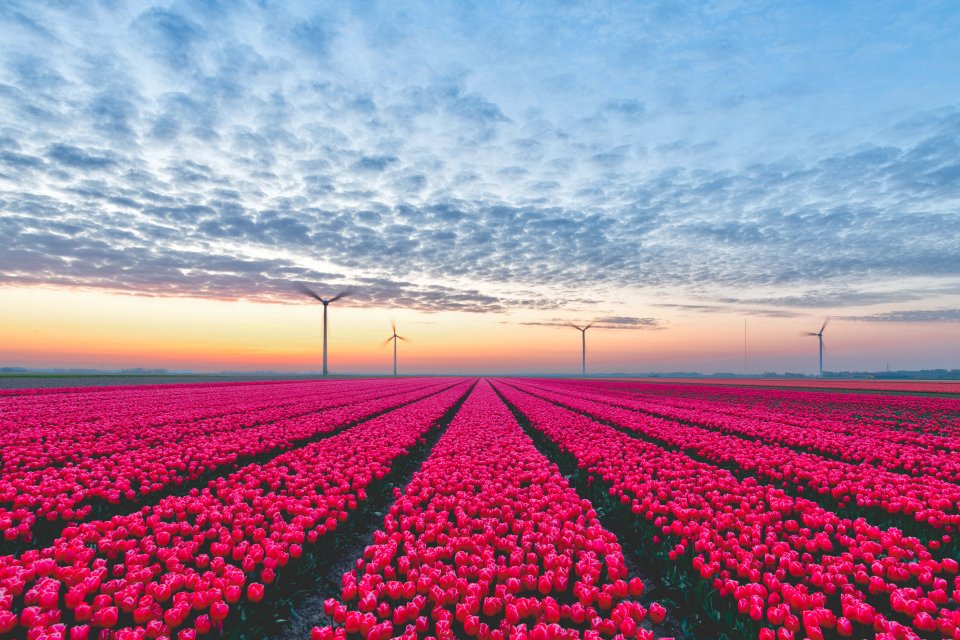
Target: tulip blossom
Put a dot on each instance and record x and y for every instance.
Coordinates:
(780, 559)
(176, 566)
(176, 512)
(142, 452)
(489, 541)
(776, 452)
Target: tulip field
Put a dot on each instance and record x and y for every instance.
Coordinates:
(505, 508)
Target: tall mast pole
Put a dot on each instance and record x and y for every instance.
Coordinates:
(394, 353)
(325, 337)
(821, 353)
(583, 350)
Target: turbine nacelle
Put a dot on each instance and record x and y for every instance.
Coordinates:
(393, 337)
(826, 321)
(583, 347)
(307, 291)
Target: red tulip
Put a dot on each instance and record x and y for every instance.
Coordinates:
(844, 627)
(219, 611)
(8, 621)
(203, 624)
(255, 592)
(657, 613)
(79, 632)
(324, 633)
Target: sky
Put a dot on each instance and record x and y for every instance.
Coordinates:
(704, 181)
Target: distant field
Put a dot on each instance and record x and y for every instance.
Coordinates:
(44, 380)
(888, 386)
(50, 380)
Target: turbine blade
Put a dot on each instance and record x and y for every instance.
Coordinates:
(404, 339)
(393, 325)
(826, 321)
(808, 333)
(575, 327)
(588, 326)
(342, 294)
(307, 291)
(386, 342)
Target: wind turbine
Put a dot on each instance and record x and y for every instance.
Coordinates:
(819, 335)
(583, 350)
(305, 290)
(394, 337)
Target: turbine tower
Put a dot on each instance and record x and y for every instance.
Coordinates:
(583, 345)
(305, 290)
(819, 335)
(394, 337)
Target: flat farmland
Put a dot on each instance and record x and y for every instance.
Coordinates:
(875, 385)
(12, 382)
(492, 508)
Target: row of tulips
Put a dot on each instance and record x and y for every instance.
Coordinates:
(824, 384)
(869, 448)
(96, 388)
(792, 568)
(69, 491)
(42, 431)
(932, 504)
(935, 416)
(489, 541)
(177, 569)
(897, 419)
(107, 416)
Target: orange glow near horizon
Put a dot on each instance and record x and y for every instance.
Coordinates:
(52, 328)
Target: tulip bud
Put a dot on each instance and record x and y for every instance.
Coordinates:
(219, 611)
(79, 632)
(8, 622)
(321, 633)
(657, 613)
(203, 624)
(255, 592)
(108, 617)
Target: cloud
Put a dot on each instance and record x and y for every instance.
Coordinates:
(468, 117)
(837, 297)
(170, 35)
(77, 158)
(151, 272)
(113, 114)
(374, 164)
(183, 151)
(313, 36)
(475, 107)
(626, 322)
(11, 14)
(19, 160)
(730, 309)
(606, 322)
(914, 315)
(628, 108)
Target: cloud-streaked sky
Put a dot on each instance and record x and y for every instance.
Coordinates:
(651, 165)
